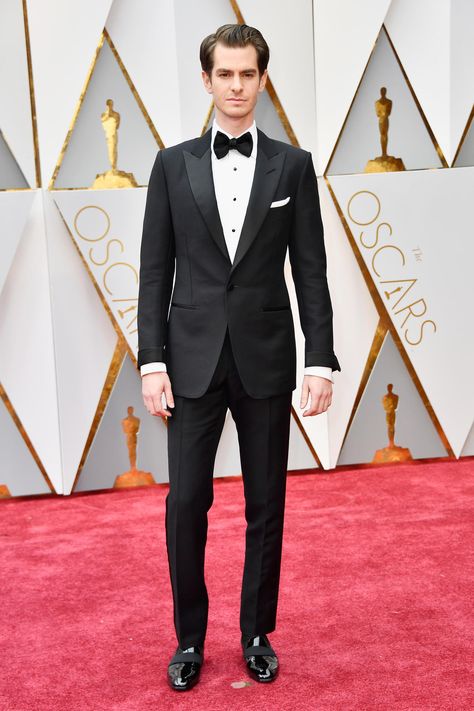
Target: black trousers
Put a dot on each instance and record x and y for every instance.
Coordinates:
(194, 430)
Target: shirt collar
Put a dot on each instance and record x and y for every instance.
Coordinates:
(252, 129)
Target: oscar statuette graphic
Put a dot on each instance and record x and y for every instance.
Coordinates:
(4, 492)
(134, 477)
(112, 178)
(383, 163)
(391, 453)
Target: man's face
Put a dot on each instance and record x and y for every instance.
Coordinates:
(235, 83)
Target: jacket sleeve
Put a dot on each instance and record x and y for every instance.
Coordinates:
(157, 264)
(308, 267)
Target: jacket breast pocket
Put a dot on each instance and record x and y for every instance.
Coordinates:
(276, 308)
(281, 203)
(184, 306)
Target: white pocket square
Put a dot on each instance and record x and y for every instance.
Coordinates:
(279, 203)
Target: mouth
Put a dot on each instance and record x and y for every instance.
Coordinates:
(236, 101)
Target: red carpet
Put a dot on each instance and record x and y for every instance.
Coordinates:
(376, 598)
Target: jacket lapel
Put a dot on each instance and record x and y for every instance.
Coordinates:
(198, 166)
(268, 167)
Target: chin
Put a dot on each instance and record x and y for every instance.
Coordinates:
(238, 109)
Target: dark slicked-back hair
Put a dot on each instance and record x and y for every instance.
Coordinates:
(234, 36)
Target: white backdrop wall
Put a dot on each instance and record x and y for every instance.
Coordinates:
(399, 244)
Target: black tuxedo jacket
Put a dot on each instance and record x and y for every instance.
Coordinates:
(182, 229)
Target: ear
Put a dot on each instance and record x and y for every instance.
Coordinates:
(206, 81)
(263, 80)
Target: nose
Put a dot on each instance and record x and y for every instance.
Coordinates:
(236, 83)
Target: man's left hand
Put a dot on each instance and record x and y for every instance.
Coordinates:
(321, 394)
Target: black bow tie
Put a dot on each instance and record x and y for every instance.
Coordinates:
(223, 143)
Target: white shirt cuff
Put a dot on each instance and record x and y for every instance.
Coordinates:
(157, 367)
(321, 370)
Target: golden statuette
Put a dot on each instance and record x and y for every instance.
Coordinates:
(383, 163)
(391, 453)
(134, 477)
(112, 178)
(4, 492)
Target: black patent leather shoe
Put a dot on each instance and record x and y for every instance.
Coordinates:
(260, 658)
(185, 667)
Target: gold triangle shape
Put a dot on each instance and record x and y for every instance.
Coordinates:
(105, 37)
(412, 91)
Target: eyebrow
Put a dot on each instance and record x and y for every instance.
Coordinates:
(223, 69)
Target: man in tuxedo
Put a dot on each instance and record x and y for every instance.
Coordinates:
(222, 210)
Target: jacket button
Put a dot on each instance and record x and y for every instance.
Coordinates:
(230, 287)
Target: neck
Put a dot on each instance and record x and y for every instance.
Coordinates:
(234, 125)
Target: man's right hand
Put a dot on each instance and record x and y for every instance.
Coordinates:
(153, 387)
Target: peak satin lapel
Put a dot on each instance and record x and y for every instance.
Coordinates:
(200, 178)
(265, 181)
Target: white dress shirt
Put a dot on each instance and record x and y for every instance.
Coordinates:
(233, 176)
